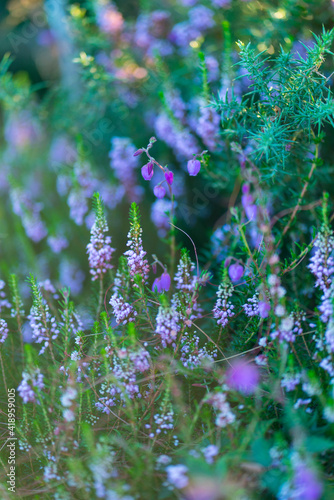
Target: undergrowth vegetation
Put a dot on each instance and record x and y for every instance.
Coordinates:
(167, 253)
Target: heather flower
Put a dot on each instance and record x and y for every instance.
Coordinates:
(138, 265)
(264, 309)
(247, 201)
(189, 3)
(167, 325)
(223, 309)
(208, 127)
(151, 31)
(124, 367)
(147, 171)
(124, 165)
(51, 472)
(123, 312)
(138, 152)
(99, 249)
(290, 381)
(322, 263)
(201, 17)
(141, 360)
(3, 331)
(163, 421)
(85, 179)
(29, 212)
(68, 396)
(251, 308)
(322, 266)
(77, 202)
(57, 243)
(4, 303)
(176, 476)
(329, 336)
(235, 272)
(162, 284)
(30, 381)
(159, 191)
(194, 166)
(289, 327)
(212, 67)
(184, 279)
(306, 484)
(169, 176)
(210, 452)
(243, 377)
(47, 286)
(160, 211)
(179, 139)
(225, 415)
(221, 3)
(193, 356)
(183, 33)
(43, 325)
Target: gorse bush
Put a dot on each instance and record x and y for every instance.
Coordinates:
(184, 347)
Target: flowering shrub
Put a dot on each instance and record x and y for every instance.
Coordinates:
(170, 200)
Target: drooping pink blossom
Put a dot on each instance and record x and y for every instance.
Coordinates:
(235, 272)
(193, 166)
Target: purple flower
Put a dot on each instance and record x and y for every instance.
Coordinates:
(29, 382)
(123, 312)
(208, 127)
(223, 308)
(235, 272)
(165, 281)
(57, 243)
(169, 176)
(201, 18)
(243, 377)
(156, 285)
(167, 325)
(147, 171)
(3, 330)
(307, 485)
(221, 3)
(159, 191)
(160, 210)
(194, 166)
(251, 212)
(138, 152)
(264, 309)
(124, 164)
(181, 140)
(176, 475)
(99, 249)
(162, 283)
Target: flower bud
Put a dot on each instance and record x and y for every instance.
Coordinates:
(138, 152)
(169, 176)
(165, 281)
(194, 166)
(159, 191)
(147, 171)
(264, 309)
